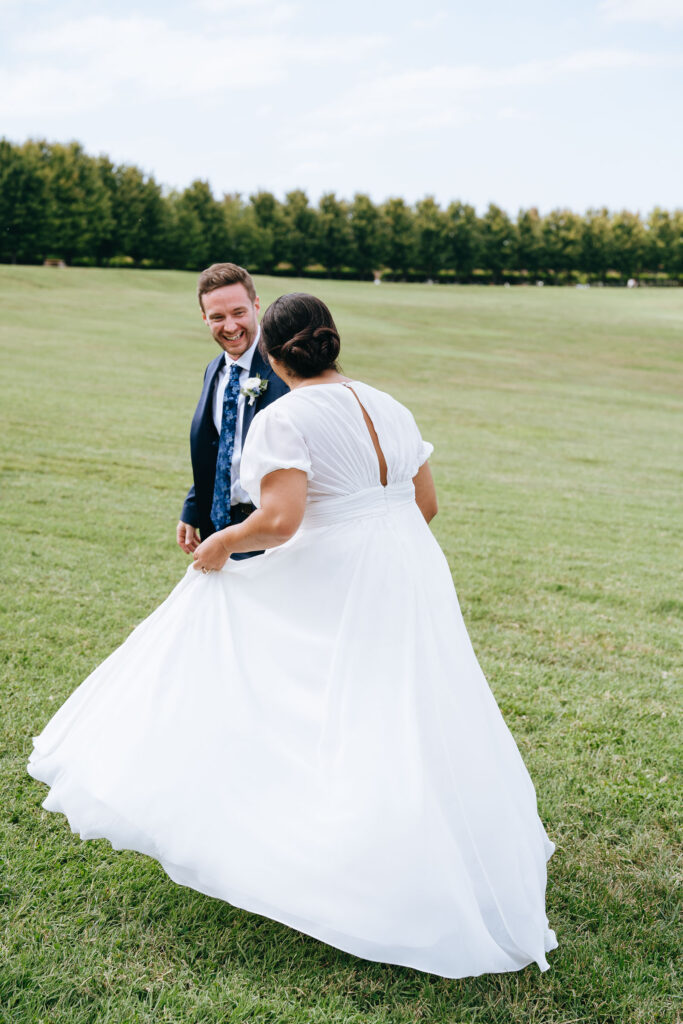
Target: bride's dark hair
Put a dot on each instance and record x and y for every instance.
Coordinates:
(298, 329)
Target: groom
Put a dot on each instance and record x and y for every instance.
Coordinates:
(237, 385)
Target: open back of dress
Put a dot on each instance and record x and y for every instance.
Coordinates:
(381, 461)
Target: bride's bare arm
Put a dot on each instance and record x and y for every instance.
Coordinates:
(425, 492)
(283, 501)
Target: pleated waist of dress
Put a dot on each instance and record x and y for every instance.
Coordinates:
(368, 503)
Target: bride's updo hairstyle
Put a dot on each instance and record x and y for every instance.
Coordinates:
(298, 330)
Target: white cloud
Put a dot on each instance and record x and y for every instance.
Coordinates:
(514, 114)
(51, 91)
(430, 21)
(586, 61)
(259, 13)
(663, 12)
(84, 63)
(414, 87)
(440, 98)
(240, 7)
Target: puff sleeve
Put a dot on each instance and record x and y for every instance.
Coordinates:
(423, 449)
(273, 442)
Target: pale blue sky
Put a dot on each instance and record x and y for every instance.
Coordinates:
(520, 103)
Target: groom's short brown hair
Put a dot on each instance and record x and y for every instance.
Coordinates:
(220, 274)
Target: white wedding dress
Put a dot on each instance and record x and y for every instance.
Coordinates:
(308, 734)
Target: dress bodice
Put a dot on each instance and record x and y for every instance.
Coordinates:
(321, 430)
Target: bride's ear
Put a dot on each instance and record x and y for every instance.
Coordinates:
(277, 367)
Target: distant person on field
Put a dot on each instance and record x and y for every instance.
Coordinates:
(238, 384)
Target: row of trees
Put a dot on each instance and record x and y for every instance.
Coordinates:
(56, 201)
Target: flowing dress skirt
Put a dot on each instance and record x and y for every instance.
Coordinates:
(308, 735)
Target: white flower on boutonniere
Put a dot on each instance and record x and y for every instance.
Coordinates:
(252, 388)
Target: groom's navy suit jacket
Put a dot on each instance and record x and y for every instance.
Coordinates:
(204, 438)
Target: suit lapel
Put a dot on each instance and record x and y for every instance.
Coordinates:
(207, 411)
(259, 368)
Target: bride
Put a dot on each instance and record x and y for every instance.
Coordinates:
(308, 735)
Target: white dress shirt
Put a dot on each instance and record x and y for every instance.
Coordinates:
(237, 492)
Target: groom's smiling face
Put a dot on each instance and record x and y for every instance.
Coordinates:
(232, 317)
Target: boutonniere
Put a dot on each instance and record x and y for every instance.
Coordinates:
(252, 388)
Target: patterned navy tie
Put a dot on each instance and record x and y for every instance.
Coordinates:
(220, 507)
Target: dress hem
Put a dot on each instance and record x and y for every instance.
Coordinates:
(180, 876)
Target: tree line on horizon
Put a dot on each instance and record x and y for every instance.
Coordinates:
(58, 202)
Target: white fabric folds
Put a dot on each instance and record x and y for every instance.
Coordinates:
(308, 734)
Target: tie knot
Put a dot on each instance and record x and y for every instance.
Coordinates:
(235, 371)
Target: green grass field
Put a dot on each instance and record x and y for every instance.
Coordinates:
(557, 421)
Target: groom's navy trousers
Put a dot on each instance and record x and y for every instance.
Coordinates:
(204, 441)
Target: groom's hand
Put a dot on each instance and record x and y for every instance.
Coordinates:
(187, 537)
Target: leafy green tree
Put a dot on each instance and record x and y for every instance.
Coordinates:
(398, 235)
(138, 216)
(80, 216)
(674, 260)
(497, 241)
(562, 234)
(430, 234)
(138, 211)
(250, 245)
(108, 242)
(23, 203)
(198, 199)
(366, 233)
(660, 239)
(300, 230)
(629, 243)
(462, 240)
(596, 242)
(185, 247)
(334, 238)
(529, 248)
(269, 223)
(256, 242)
